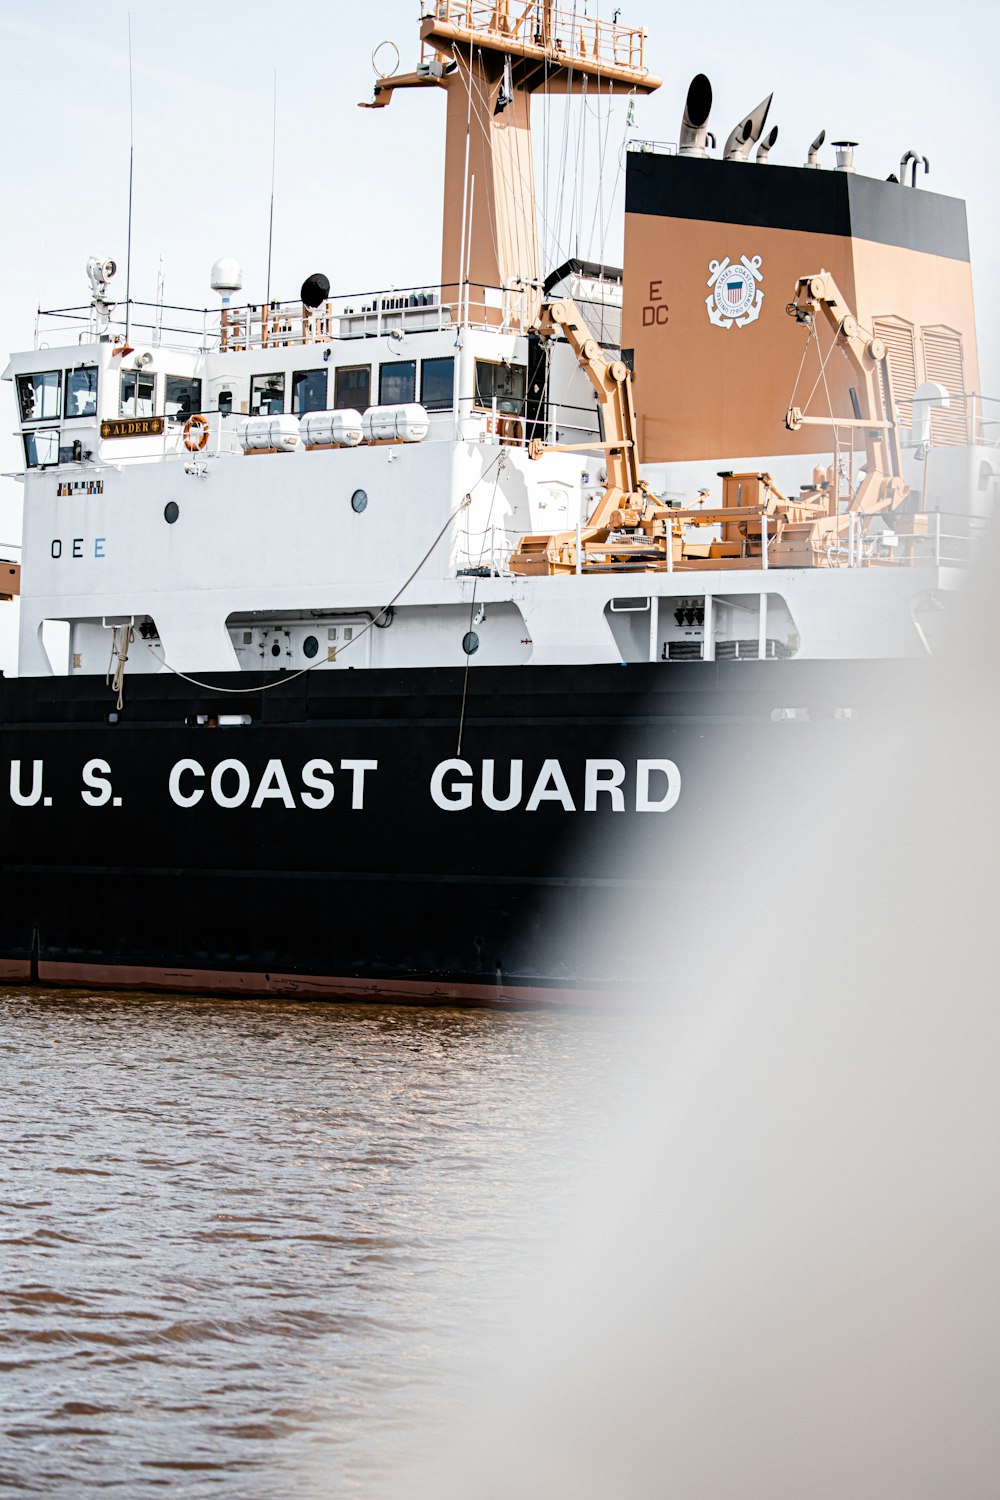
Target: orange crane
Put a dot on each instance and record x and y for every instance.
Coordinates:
(883, 487)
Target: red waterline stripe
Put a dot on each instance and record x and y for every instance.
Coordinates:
(302, 986)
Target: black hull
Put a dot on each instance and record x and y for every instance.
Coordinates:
(115, 884)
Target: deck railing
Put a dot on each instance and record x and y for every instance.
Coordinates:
(367, 314)
(944, 538)
(537, 24)
(984, 419)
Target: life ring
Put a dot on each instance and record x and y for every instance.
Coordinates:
(195, 433)
(506, 428)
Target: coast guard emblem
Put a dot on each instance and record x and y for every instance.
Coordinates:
(736, 296)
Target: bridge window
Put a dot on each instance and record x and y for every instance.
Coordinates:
(308, 391)
(502, 382)
(41, 447)
(182, 397)
(352, 388)
(38, 395)
(267, 395)
(138, 393)
(437, 384)
(81, 391)
(397, 383)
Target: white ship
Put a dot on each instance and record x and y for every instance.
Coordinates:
(757, 450)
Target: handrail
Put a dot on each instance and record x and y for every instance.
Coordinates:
(654, 148)
(586, 38)
(288, 322)
(864, 548)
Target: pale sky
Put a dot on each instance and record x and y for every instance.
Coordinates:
(359, 192)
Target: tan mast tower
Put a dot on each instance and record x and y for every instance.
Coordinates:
(491, 56)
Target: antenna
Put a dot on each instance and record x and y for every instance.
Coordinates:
(160, 289)
(131, 154)
(270, 222)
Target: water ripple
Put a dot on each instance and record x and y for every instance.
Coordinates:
(236, 1235)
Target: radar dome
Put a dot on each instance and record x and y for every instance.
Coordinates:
(227, 275)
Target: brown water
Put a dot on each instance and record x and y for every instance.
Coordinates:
(240, 1240)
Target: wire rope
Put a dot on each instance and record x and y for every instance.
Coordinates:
(798, 374)
(303, 671)
(823, 362)
(500, 461)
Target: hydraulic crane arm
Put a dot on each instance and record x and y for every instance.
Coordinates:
(626, 504)
(883, 487)
(612, 383)
(625, 492)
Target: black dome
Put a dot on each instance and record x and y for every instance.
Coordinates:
(315, 289)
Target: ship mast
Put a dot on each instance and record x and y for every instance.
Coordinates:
(490, 57)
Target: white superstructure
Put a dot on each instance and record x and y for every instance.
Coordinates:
(350, 491)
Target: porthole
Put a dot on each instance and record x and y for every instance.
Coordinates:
(310, 646)
(171, 511)
(358, 501)
(470, 642)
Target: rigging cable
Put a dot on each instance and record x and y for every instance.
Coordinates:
(270, 221)
(599, 223)
(482, 115)
(824, 360)
(291, 676)
(512, 181)
(465, 192)
(580, 187)
(131, 156)
(563, 162)
(811, 334)
(546, 133)
(514, 190)
(501, 463)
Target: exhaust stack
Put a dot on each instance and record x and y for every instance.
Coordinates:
(695, 139)
(764, 149)
(747, 132)
(913, 160)
(813, 159)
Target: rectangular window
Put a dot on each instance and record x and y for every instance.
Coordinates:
(308, 391)
(182, 397)
(81, 392)
(504, 382)
(437, 384)
(38, 395)
(138, 393)
(41, 447)
(267, 395)
(352, 388)
(397, 383)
